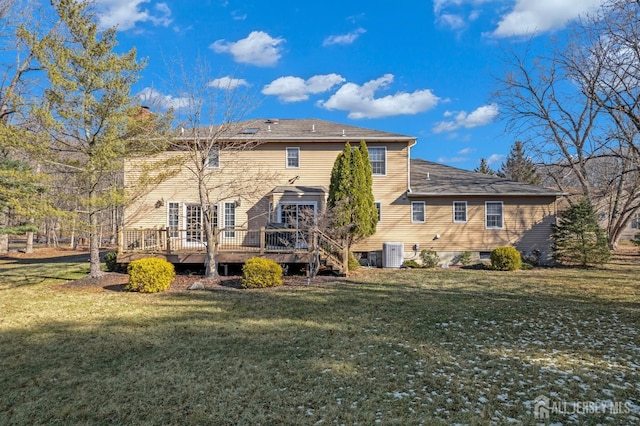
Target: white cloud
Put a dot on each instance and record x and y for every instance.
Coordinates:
(495, 159)
(259, 48)
(520, 17)
(151, 97)
(452, 159)
(534, 16)
(344, 38)
(294, 89)
(237, 16)
(361, 102)
(125, 14)
(479, 117)
(454, 22)
(228, 83)
(466, 151)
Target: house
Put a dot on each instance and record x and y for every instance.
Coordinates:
(265, 195)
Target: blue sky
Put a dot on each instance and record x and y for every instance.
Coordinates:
(420, 68)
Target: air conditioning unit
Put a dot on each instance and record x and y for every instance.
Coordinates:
(392, 255)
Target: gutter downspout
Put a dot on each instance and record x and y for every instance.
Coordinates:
(409, 146)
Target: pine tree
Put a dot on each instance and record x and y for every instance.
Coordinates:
(351, 201)
(484, 168)
(519, 167)
(578, 239)
(86, 107)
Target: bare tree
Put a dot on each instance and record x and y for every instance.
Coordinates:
(211, 134)
(16, 82)
(577, 110)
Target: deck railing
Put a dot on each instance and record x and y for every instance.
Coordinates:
(233, 239)
(238, 240)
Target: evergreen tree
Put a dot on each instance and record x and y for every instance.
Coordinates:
(20, 191)
(484, 168)
(340, 189)
(519, 167)
(369, 220)
(578, 239)
(86, 108)
(351, 201)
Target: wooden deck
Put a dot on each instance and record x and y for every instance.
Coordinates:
(233, 246)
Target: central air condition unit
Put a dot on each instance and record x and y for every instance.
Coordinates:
(392, 255)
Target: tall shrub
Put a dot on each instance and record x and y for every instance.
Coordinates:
(351, 201)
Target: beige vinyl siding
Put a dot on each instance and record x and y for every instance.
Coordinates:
(250, 176)
(526, 224)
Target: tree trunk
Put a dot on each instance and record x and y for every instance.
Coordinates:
(94, 247)
(72, 237)
(29, 246)
(4, 244)
(211, 261)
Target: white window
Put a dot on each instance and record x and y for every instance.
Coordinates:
(293, 158)
(173, 218)
(459, 211)
(635, 222)
(417, 211)
(193, 223)
(379, 208)
(493, 214)
(230, 219)
(213, 158)
(378, 160)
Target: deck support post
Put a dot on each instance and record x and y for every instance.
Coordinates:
(263, 239)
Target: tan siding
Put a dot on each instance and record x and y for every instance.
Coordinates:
(257, 172)
(527, 225)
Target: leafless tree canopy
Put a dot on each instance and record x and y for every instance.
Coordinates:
(579, 110)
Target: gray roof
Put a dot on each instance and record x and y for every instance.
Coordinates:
(307, 129)
(428, 178)
(300, 189)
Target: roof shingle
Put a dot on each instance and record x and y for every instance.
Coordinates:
(428, 178)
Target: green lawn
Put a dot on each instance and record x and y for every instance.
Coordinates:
(386, 347)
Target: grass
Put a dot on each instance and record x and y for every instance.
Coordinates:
(385, 347)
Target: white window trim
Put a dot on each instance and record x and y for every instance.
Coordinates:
(424, 212)
(214, 149)
(223, 219)
(304, 203)
(168, 210)
(466, 212)
(379, 208)
(486, 214)
(186, 243)
(286, 160)
(386, 164)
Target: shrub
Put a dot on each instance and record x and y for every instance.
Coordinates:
(261, 273)
(111, 262)
(410, 263)
(150, 275)
(636, 240)
(465, 258)
(506, 259)
(429, 258)
(353, 263)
